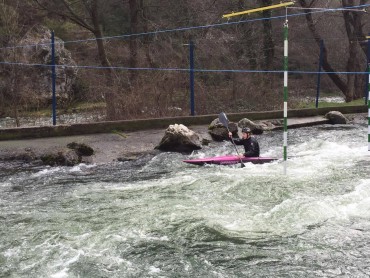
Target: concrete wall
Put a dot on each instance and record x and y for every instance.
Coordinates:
(134, 125)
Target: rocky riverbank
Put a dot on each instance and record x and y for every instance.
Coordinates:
(117, 146)
(107, 147)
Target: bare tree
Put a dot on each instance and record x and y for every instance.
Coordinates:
(354, 29)
(136, 8)
(352, 87)
(11, 78)
(268, 42)
(85, 13)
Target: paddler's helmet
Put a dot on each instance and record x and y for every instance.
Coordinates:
(246, 130)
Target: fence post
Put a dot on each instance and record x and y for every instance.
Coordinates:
(191, 71)
(53, 76)
(367, 99)
(319, 73)
(368, 70)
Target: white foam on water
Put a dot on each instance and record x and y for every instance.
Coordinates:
(153, 270)
(82, 167)
(49, 171)
(46, 172)
(319, 157)
(355, 203)
(165, 182)
(5, 184)
(60, 274)
(316, 155)
(294, 215)
(94, 247)
(317, 161)
(232, 199)
(12, 252)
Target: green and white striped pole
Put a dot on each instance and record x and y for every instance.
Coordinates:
(285, 93)
(285, 63)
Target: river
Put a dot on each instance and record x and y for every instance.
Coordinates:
(160, 217)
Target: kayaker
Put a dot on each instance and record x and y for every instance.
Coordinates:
(251, 146)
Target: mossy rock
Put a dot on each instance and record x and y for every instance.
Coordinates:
(81, 149)
(61, 158)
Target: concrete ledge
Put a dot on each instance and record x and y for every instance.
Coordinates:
(145, 124)
(304, 121)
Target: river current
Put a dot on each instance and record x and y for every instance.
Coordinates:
(160, 217)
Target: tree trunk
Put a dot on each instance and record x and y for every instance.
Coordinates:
(109, 94)
(135, 9)
(268, 42)
(147, 39)
(354, 86)
(87, 18)
(268, 47)
(353, 25)
(326, 65)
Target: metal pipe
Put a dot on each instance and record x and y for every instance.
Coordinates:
(53, 77)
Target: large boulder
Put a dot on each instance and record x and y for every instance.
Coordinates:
(256, 128)
(40, 53)
(336, 117)
(75, 154)
(178, 138)
(61, 158)
(81, 149)
(26, 156)
(219, 132)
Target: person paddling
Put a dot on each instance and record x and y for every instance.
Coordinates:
(251, 146)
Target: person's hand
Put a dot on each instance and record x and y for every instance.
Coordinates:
(241, 155)
(230, 134)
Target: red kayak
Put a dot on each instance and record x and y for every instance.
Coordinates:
(229, 159)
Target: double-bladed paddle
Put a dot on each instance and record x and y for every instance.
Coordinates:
(224, 120)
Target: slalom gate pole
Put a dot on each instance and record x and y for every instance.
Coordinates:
(285, 145)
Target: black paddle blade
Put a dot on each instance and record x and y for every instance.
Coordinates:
(223, 119)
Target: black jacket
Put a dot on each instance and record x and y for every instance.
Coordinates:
(251, 146)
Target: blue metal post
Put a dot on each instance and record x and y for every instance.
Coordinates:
(53, 76)
(191, 71)
(367, 98)
(319, 73)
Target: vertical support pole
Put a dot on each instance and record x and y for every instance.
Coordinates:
(319, 73)
(368, 69)
(191, 71)
(285, 93)
(53, 77)
(368, 92)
